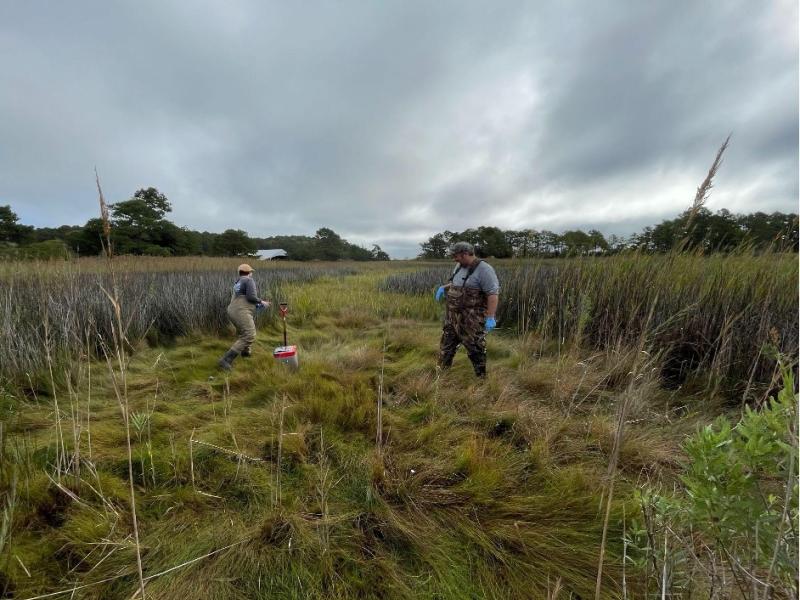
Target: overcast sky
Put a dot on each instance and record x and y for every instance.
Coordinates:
(390, 121)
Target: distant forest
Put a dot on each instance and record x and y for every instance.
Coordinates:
(140, 227)
(704, 231)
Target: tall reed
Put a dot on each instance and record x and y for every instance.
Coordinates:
(48, 313)
(712, 314)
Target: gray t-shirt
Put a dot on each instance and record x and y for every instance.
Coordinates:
(245, 286)
(483, 277)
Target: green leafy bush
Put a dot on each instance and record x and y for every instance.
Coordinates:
(737, 515)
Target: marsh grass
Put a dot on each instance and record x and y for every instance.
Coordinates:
(54, 316)
(712, 315)
(267, 483)
(464, 497)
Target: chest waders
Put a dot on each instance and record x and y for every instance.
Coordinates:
(464, 324)
(241, 313)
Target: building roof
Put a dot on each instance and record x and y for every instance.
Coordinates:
(270, 254)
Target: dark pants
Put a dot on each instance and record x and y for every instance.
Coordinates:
(466, 329)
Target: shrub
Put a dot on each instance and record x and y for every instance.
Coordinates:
(737, 512)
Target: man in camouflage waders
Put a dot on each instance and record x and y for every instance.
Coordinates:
(241, 310)
(471, 295)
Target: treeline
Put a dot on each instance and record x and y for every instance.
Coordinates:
(324, 245)
(139, 226)
(701, 229)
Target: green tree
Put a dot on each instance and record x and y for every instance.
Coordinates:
(355, 252)
(616, 243)
(664, 236)
(206, 240)
(577, 242)
(489, 241)
(523, 242)
(599, 242)
(378, 253)
(537, 241)
(89, 240)
(10, 229)
(436, 247)
(139, 224)
(777, 230)
(148, 206)
(233, 242)
(63, 232)
(329, 245)
(187, 242)
(724, 233)
(642, 241)
(550, 242)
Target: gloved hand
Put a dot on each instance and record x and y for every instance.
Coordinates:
(490, 324)
(439, 293)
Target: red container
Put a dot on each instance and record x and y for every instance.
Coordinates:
(286, 355)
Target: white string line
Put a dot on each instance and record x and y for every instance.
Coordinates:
(148, 578)
(231, 452)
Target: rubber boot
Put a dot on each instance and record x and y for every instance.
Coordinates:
(226, 361)
(246, 353)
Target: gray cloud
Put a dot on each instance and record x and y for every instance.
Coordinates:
(391, 121)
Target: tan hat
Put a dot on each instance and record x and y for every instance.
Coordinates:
(245, 268)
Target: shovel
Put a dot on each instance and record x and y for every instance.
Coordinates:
(286, 354)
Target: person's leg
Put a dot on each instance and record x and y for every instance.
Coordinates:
(227, 359)
(242, 319)
(226, 362)
(246, 328)
(474, 341)
(448, 346)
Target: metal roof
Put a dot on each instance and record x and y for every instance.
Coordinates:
(270, 254)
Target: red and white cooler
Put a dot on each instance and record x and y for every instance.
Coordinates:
(286, 355)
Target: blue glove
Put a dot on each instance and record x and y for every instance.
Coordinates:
(490, 324)
(439, 293)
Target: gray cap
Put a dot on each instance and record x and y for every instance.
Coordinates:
(459, 247)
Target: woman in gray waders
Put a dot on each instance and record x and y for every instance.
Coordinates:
(241, 311)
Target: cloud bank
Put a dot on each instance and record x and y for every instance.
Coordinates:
(391, 121)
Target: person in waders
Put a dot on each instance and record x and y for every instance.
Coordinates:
(241, 312)
(471, 295)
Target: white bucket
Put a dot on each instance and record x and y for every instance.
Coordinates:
(286, 355)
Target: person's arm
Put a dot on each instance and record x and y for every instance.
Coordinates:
(491, 287)
(250, 292)
(491, 305)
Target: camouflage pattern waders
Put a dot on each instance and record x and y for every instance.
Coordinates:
(241, 313)
(464, 323)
